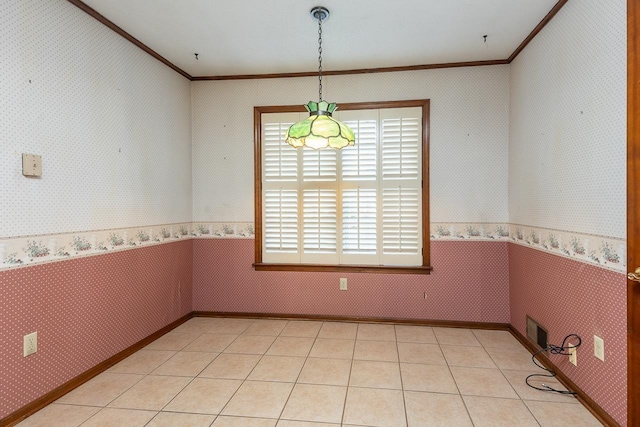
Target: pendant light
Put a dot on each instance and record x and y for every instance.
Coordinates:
(320, 130)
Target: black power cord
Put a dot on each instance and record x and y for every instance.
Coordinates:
(553, 349)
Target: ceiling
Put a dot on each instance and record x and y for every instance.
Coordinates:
(264, 37)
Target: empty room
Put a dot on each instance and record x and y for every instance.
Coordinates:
(319, 214)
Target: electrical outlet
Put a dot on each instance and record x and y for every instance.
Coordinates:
(343, 283)
(598, 347)
(573, 354)
(30, 344)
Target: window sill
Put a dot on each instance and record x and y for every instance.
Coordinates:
(379, 269)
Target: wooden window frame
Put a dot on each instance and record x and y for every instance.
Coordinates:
(425, 268)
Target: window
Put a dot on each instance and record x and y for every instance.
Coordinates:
(362, 208)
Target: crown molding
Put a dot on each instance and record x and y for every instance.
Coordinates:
(93, 13)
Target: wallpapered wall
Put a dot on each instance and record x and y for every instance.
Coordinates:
(468, 145)
(567, 122)
(113, 126)
(101, 305)
(571, 297)
(567, 171)
(470, 283)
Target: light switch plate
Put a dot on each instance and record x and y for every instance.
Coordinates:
(31, 165)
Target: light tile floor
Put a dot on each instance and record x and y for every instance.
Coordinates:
(223, 372)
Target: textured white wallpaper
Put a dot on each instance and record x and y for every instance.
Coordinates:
(113, 126)
(469, 136)
(567, 154)
(539, 143)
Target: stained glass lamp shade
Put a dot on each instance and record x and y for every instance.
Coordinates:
(320, 130)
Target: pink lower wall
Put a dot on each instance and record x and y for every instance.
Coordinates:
(568, 296)
(469, 282)
(85, 310)
(104, 304)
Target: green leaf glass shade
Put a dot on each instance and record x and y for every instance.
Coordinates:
(320, 130)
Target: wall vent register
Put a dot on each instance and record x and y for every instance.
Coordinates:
(537, 334)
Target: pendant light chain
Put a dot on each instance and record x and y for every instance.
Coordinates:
(319, 130)
(320, 55)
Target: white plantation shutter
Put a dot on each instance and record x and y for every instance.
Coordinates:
(280, 212)
(359, 205)
(400, 220)
(320, 241)
(400, 148)
(360, 226)
(360, 243)
(280, 163)
(401, 186)
(281, 223)
(359, 161)
(318, 165)
(319, 187)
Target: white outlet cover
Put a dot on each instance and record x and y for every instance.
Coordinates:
(598, 347)
(573, 354)
(343, 284)
(30, 344)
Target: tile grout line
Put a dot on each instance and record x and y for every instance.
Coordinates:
(504, 376)
(252, 369)
(464, 403)
(402, 390)
(196, 376)
(176, 395)
(137, 382)
(346, 394)
(111, 401)
(234, 393)
(299, 373)
(221, 352)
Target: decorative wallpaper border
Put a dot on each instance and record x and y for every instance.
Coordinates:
(15, 252)
(223, 230)
(608, 252)
(469, 230)
(21, 251)
(605, 251)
